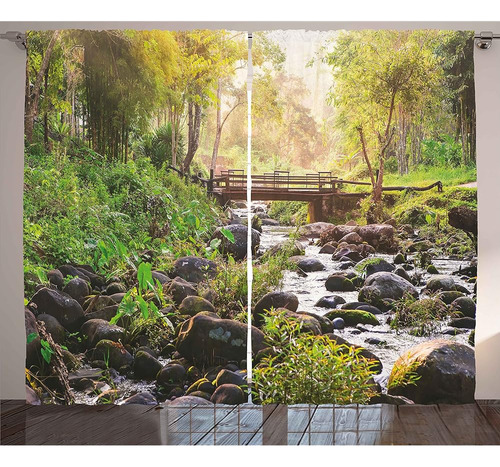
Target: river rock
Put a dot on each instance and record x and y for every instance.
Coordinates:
(229, 394)
(385, 285)
(465, 305)
(369, 266)
(399, 259)
(179, 289)
(446, 372)
(114, 353)
(292, 247)
(188, 401)
(146, 366)
(84, 273)
(33, 356)
(391, 400)
(206, 337)
(463, 323)
(99, 329)
(315, 229)
(54, 327)
(56, 278)
(141, 398)
(107, 313)
(78, 289)
(354, 252)
(339, 283)
(269, 221)
(229, 377)
(379, 236)
(370, 309)
(351, 237)
(401, 272)
(335, 233)
(338, 323)
(330, 301)
(192, 305)
(276, 299)
(352, 305)
(194, 269)
(171, 375)
(441, 283)
(308, 264)
(237, 249)
(114, 288)
(449, 296)
(310, 323)
(328, 249)
(353, 317)
(61, 306)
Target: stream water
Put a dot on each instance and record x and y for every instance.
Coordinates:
(311, 288)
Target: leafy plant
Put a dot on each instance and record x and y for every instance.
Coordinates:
(309, 369)
(402, 375)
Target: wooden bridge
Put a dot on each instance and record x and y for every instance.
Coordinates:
(321, 189)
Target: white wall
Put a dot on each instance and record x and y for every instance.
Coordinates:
(487, 72)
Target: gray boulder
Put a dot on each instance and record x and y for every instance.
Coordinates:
(238, 248)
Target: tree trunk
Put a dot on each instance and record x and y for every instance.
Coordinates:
(194, 126)
(218, 129)
(33, 97)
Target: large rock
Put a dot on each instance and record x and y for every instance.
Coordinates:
(192, 305)
(84, 273)
(171, 375)
(146, 366)
(179, 289)
(369, 266)
(330, 301)
(339, 283)
(113, 353)
(78, 289)
(308, 321)
(238, 248)
(465, 306)
(194, 269)
(274, 300)
(229, 377)
(61, 306)
(54, 327)
(188, 401)
(444, 373)
(308, 264)
(385, 285)
(205, 338)
(99, 329)
(229, 394)
(291, 247)
(379, 236)
(315, 229)
(441, 283)
(142, 398)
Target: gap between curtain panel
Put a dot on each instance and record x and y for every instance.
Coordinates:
(249, 218)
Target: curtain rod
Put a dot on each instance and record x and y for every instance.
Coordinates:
(483, 40)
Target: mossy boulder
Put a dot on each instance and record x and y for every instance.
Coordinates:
(435, 372)
(339, 283)
(274, 300)
(114, 353)
(146, 366)
(205, 338)
(385, 285)
(192, 305)
(353, 317)
(230, 394)
(369, 266)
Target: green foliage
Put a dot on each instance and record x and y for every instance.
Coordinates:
(158, 146)
(445, 152)
(404, 375)
(422, 316)
(309, 369)
(90, 211)
(289, 212)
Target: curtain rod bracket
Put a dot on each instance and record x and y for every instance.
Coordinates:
(485, 39)
(19, 38)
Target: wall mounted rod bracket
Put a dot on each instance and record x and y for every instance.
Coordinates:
(19, 38)
(484, 40)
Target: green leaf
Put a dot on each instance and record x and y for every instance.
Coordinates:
(46, 354)
(31, 337)
(227, 234)
(143, 307)
(144, 275)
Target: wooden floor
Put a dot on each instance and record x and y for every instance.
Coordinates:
(250, 425)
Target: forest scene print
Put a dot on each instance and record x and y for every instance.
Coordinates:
(363, 217)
